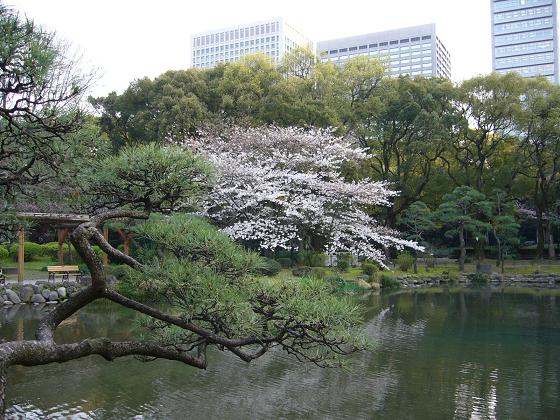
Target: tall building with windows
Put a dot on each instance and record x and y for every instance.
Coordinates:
(272, 37)
(415, 51)
(525, 38)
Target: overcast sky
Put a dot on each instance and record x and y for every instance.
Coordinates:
(130, 39)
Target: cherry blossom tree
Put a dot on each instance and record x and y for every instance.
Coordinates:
(281, 187)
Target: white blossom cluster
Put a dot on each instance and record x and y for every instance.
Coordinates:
(277, 186)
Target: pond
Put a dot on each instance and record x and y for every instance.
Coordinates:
(440, 354)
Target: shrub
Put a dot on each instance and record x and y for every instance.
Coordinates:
(369, 268)
(388, 282)
(285, 262)
(270, 267)
(343, 261)
(32, 251)
(4, 253)
(302, 272)
(478, 279)
(343, 265)
(320, 272)
(311, 259)
(343, 286)
(83, 269)
(405, 261)
(119, 271)
(50, 249)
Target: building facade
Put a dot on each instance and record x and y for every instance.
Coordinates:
(408, 51)
(272, 37)
(525, 38)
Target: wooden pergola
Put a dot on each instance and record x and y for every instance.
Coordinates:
(63, 223)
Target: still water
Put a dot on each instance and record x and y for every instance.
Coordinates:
(440, 355)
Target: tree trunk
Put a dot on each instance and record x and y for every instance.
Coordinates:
(500, 254)
(539, 253)
(462, 249)
(550, 238)
(415, 264)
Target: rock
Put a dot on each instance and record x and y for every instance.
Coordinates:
(364, 284)
(26, 293)
(377, 286)
(52, 302)
(85, 280)
(37, 298)
(46, 293)
(53, 296)
(61, 292)
(8, 303)
(12, 296)
(37, 289)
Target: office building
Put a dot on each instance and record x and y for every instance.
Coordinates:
(524, 38)
(272, 37)
(414, 51)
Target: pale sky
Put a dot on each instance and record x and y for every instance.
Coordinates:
(130, 39)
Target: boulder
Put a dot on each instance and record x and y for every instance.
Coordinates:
(8, 303)
(61, 292)
(46, 293)
(12, 296)
(364, 284)
(26, 293)
(377, 286)
(37, 288)
(37, 298)
(53, 296)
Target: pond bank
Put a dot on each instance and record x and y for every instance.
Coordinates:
(540, 281)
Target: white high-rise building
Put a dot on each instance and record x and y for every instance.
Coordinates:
(273, 37)
(415, 51)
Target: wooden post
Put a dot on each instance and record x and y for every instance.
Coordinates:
(61, 238)
(106, 236)
(21, 254)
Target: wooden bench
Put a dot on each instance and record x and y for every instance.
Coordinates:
(65, 270)
(4, 272)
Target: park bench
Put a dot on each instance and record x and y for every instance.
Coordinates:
(4, 272)
(65, 270)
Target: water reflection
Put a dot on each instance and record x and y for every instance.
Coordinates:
(470, 354)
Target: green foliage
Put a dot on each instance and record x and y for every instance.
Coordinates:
(120, 271)
(478, 279)
(285, 262)
(191, 238)
(405, 261)
(311, 258)
(342, 285)
(302, 272)
(369, 268)
(31, 251)
(4, 253)
(270, 267)
(163, 178)
(389, 283)
(343, 261)
(201, 274)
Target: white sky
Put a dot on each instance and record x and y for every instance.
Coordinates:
(130, 39)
